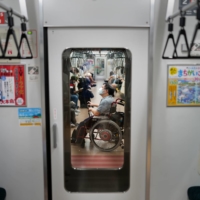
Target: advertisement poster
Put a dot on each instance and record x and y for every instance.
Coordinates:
(29, 116)
(12, 85)
(183, 85)
(33, 73)
(3, 18)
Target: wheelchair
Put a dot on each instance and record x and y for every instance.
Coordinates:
(105, 131)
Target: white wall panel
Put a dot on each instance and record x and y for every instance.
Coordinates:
(175, 130)
(96, 13)
(21, 153)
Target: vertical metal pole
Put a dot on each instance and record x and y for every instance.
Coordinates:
(149, 103)
(170, 8)
(23, 7)
(44, 80)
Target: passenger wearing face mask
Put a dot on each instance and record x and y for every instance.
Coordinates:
(103, 108)
(107, 92)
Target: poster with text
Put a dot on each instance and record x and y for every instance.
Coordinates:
(183, 88)
(29, 116)
(12, 85)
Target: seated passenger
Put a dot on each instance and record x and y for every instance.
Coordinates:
(107, 92)
(73, 118)
(85, 96)
(81, 73)
(116, 82)
(73, 114)
(91, 77)
(90, 80)
(74, 92)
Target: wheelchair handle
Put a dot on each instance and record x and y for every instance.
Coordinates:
(120, 101)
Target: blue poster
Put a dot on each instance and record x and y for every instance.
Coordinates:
(29, 116)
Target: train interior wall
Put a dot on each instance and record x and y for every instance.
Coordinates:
(175, 135)
(21, 148)
(175, 130)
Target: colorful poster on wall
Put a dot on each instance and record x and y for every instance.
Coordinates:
(3, 18)
(183, 88)
(12, 85)
(29, 116)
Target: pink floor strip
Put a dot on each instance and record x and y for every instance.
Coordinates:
(108, 162)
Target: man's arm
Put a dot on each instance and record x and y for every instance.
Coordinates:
(92, 104)
(77, 91)
(94, 111)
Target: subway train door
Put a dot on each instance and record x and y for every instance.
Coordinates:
(112, 172)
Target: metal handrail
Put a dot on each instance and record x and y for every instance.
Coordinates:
(185, 8)
(11, 32)
(8, 9)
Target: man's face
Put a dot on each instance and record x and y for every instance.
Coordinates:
(105, 90)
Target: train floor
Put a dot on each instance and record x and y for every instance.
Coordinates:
(90, 156)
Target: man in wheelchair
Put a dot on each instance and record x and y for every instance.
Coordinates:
(107, 92)
(105, 133)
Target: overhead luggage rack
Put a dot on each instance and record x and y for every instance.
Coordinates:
(182, 32)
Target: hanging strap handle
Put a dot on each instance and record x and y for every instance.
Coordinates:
(9, 33)
(24, 37)
(170, 36)
(195, 31)
(1, 48)
(181, 32)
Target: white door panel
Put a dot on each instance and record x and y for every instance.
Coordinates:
(134, 39)
(96, 13)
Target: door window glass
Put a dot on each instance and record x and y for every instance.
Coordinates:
(96, 103)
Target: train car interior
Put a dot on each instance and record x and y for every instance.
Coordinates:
(99, 100)
(100, 142)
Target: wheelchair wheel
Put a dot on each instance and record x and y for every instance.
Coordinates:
(106, 135)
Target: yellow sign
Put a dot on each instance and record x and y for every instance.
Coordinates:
(183, 88)
(173, 70)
